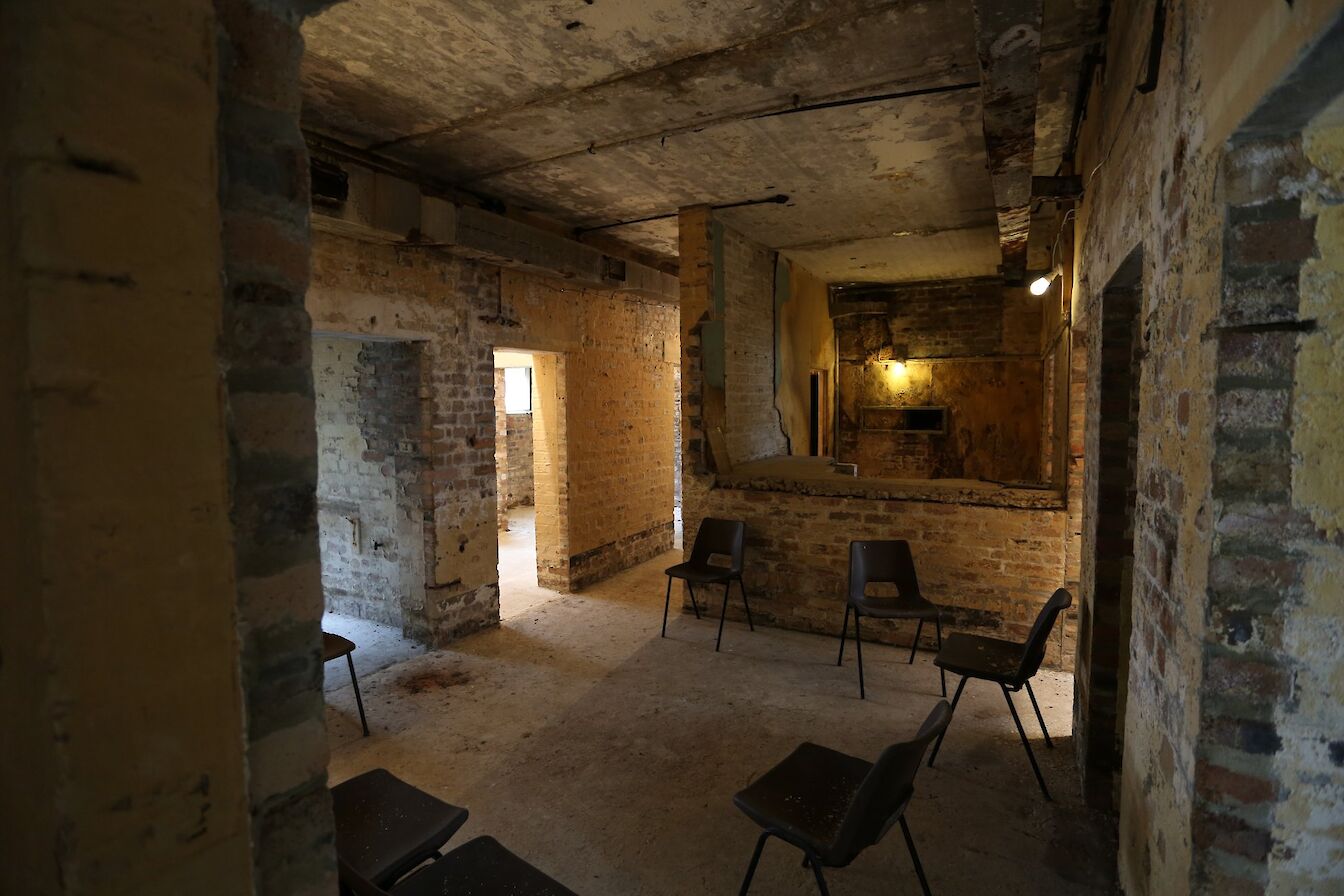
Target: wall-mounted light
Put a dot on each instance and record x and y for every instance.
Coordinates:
(1042, 283)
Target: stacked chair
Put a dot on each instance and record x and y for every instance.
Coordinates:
(386, 830)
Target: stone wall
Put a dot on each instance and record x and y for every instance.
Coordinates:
(522, 487)
(370, 521)
(606, 392)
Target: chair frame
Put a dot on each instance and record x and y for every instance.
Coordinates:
(700, 555)
(931, 728)
(354, 679)
(858, 637)
(1027, 669)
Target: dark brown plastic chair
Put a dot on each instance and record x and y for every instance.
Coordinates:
(334, 647)
(480, 867)
(886, 562)
(1009, 665)
(386, 827)
(833, 806)
(716, 538)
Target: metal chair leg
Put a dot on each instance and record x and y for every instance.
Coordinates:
(359, 701)
(694, 606)
(727, 588)
(939, 743)
(1049, 744)
(914, 857)
(750, 625)
(942, 673)
(1031, 757)
(914, 645)
(755, 858)
(858, 648)
(821, 881)
(667, 602)
(844, 630)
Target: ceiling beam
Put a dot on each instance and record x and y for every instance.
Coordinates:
(1008, 44)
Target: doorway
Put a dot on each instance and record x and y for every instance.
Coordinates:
(530, 479)
(1108, 567)
(818, 413)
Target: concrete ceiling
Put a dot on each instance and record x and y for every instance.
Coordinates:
(600, 111)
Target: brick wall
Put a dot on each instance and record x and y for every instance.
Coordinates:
(992, 568)
(745, 277)
(610, 406)
(1190, 822)
(1107, 571)
(991, 379)
(522, 489)
(1270, 757)
(265, 352)
(369, 488)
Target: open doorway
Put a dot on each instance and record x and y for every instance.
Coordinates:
(1108, 568)
(818, 413)
(530, 478)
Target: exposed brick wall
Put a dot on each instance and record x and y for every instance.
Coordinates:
(369, 488)
(992, 568)
(1152, 164)
(265, 352)
(522, 488)
(612, 407)
(1265, 777)
(745, 276)
(994, 403)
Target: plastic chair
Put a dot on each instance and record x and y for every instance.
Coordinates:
(385, 827)
(833, 806)
(334, 647)
(1008, 664)
(887, 562)
(480, 867)
(715, 538)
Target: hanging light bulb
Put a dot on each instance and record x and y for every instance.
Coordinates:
(1042, 283)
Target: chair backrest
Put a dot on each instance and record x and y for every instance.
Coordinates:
(883, 795)
(1034, 650)
(882, 561)
(726, 537)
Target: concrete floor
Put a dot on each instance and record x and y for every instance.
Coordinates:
(608, 756)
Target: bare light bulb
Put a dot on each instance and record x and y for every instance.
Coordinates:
(1040, 285)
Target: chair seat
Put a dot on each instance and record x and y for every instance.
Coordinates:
(385, 827)
(698, 574)
(900, 607)
(334, 646)
(804, 798)
(979, 657)
(480, 867)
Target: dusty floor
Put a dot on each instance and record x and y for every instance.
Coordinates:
(608, 756)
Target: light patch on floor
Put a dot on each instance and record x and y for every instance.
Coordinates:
(608, 756)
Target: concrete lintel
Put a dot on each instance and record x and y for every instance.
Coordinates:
(1008, 44)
